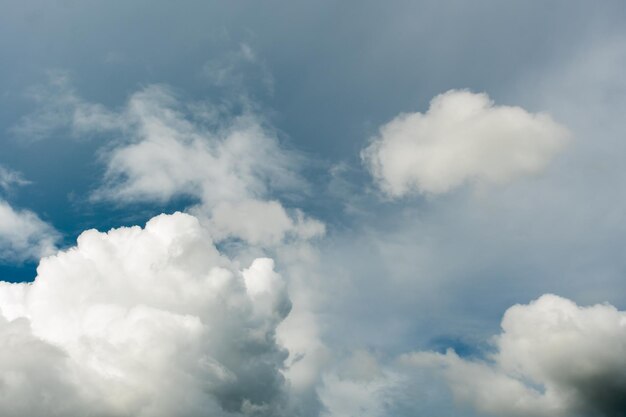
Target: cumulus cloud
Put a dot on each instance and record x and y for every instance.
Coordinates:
(553, 358)
(462, 138)
(144, 322)
(23, 235)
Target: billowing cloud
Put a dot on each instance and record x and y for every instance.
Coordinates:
(462, 138)
(144, 322)
(553, 358)
(23, 235)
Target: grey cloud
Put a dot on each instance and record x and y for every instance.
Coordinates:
(553, 358)
(164, 148)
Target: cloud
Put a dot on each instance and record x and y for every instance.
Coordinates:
(229, 165)
(553, 358)
(9, 178)
(239, 69)
(144, 322)
(172, 150)
(262, 222)
(462, 138)
(59, 108)
(164, 148)
(359, 386)
(23, 235)
(161, 147)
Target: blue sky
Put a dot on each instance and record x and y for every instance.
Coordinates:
(417, 204)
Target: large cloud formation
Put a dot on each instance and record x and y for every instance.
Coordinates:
(553, 358)
(463, 137)
(145, 323)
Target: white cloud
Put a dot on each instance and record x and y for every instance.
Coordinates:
(229, 168)
(261, 222)
(166, 149)
(9, 178)
(59, 107)
(553, 358)
(462, 138)
(172, 150)
(23, 235)
(144, 322)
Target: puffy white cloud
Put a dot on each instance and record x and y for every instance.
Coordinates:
(229, 168)
(462, 138)
(144, 322)
(173, 149)
(23, 235)
(553, 358)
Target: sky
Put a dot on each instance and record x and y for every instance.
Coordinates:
(312, 209)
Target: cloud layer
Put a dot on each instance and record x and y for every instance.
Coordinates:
(553, 358)
(144, 322)
(462, 138)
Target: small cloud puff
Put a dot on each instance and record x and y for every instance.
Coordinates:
(462, 138)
